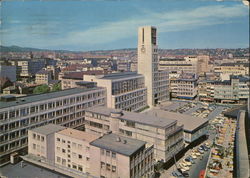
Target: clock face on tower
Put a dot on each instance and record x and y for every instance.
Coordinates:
(143, 49)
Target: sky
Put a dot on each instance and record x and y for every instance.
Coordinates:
(83, 25)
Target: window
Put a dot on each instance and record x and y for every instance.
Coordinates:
(58, 139)
(108, 167)
(74, 166)
(113, 168)
(58, 148)
(79, 168)
(102, 164)
(73, 144)
(42, 138)
(87, 148)
(79, 146)
(107, 153)
(58, 159)
(34, 146)
(69, 165)
(80, 156)
(34, 136)
(63, 150)
(38, 137)
(87, 158)
(113, 155)
(102, 151)
(63, 141)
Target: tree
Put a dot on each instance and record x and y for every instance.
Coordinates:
(57, 87)
(41, 89)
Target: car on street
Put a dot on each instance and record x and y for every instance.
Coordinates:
(189, 159)
(183, 172)
(187, 162)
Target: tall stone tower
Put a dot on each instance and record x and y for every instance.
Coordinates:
(148, 61)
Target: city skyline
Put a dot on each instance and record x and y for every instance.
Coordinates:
(107, 25)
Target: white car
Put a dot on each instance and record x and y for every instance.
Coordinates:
(187, 163)
(186, 168)
(193, 156)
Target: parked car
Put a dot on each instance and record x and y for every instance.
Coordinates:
(184, 173)
(188, 163)
(189, 159)
(176, 173)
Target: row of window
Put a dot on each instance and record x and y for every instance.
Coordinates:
(108, 153)
(38, 137)
(108, 167)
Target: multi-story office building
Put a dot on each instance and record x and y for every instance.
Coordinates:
(185, 65)
(80, 154)
(118, 156)
(8, 71)
(184, 86)
(206, 90)
(148, 65)
(27, 68)
(235, 90)
(125, 91)
(232, 69)
(66, 108)
(163, 134)
(43, 77)
(203, 66)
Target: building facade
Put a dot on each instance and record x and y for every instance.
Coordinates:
(184, 86)
(81, 154)
(165, 136)
(9, 72)
(43, 77)
(148, 65)
(62, 108)
(126, 91)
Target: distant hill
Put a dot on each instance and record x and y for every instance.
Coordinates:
(19, 49)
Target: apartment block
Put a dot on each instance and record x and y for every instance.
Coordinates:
(43, 77)
(232, 69)
(118, 156)
(184, 86)
(65, 108)
(164, 134)
(148, 65)
(126, 91)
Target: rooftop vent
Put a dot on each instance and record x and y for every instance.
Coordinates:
(118, 139)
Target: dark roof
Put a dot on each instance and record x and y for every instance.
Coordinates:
(45, 96)
(79, 75)
(125, 146)
(42, 72)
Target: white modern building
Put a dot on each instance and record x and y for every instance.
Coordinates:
(65, 108)
(155, 81)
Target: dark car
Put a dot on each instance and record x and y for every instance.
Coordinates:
(176, 174)
(184, 174)
(189, 159)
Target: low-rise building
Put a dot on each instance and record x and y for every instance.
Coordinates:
(194, 127)
(125, 91)
(164, 134)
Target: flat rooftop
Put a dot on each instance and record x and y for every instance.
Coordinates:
(80, 135)
(48, 129)
(121, 75)
(189, 123)
(142, 118)
(125, 146)
(45, 96)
